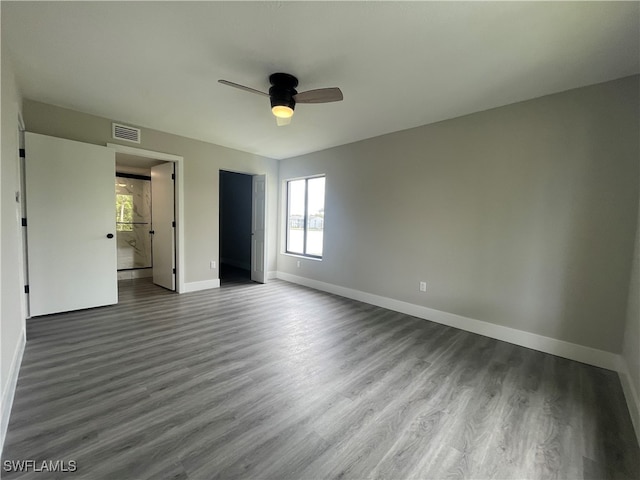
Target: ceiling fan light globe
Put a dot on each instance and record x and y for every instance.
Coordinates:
(282, 111)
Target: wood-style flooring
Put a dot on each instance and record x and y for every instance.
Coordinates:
(279, 381)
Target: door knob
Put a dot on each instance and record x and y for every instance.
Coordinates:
(109, 235)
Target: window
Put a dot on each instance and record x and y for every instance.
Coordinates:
(124, 212)
(305, 216)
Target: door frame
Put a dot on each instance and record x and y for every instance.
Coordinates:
(179, 201)
(266, 228)
(22, 189)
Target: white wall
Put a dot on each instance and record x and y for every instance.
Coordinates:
(12, 323)
(522, 216)
(202, 163)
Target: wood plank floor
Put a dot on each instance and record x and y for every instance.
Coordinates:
(279, 381)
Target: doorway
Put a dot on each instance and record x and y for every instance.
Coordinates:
(145, 219)
(235, 227)
(167, 230)
(82, 270)
(133, 222)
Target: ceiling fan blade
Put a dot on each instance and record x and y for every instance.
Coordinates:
(242, 87)
(281, 122)
(321, 95)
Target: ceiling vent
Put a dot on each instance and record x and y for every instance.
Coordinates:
(124, 132)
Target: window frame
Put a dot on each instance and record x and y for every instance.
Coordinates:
(305, 217)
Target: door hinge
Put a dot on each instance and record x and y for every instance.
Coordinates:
(26, 289)
(22, 152)
(24, 222)
(173, 176)
(174, 271)
(173, 224)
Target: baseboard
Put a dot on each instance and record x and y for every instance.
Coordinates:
(631, 395)
(202, 285)
(9, 389)
(272, 275)
(560, 348)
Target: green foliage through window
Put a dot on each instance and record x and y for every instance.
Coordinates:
(124, 213)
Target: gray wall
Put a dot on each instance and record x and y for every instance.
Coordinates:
(631, 343)
(202, 163)
(522, 216)
(12, 315)
(235, 219)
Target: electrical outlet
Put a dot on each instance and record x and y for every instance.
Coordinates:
(423, 286)
(212, 264)
(298, 264)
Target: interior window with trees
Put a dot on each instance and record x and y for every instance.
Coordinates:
(305, 216)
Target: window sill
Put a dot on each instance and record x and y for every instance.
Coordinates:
(306, 257)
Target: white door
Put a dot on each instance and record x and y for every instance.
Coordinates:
(258, 238)
(71, 225)
(162, 224)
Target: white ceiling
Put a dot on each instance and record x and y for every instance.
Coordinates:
(399, 64)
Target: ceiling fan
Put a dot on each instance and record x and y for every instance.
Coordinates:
(284, 96)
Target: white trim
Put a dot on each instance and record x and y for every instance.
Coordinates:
(179, 161)
(572, 351)
(21, 126)
(141, 152)
(202, 285)
(301, 257)
(284, 202)
(631, 395)
(9, 389)
(272, 275)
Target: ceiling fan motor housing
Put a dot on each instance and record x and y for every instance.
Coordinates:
(283, 88)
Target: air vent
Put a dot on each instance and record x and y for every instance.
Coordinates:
(123, 132)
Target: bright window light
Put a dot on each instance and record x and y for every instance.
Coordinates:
(305, 216)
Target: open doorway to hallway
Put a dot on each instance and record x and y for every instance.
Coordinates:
(235, 227)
